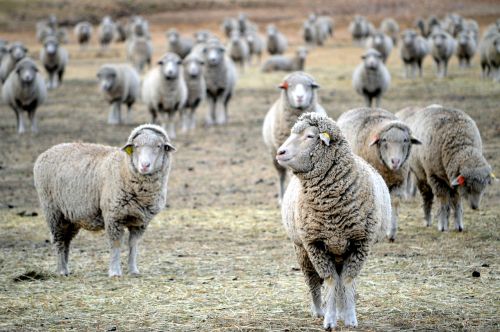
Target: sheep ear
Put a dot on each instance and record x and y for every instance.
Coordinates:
(129, 149)
(363, 57)
(414, 140)
(160, 62)
(375, 140)
(315, 85)
(169, 147)
(458, 181)
(283, 85)
(325, 138)
(204, 50)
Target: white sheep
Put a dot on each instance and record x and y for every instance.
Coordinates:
(177, 44)
(15, 52)
(284, 63)
(466, 48)
(382, 43)
(490, 56)
(255, 45)
(371, 79)
(97, 187)
(390, 27)
(413, 50)
(83, 32)
(238, 49)
(276, 41)
(442, 48)
(196, 89)
(335, 207)
(139, 52)
(54, 58)
(106, 32)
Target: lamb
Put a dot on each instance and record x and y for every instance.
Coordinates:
(360, 29)
(371, 79)
(164, 90)
(54, 58)
(385, 142)
(177, 44)
(490, 56)
(238, 49)
(382, 43)
(335, 207)
(97, 187)
(283, 63)
(466, 48)
(119, 84)
(196, 89)
(83, 33)
(442, 48)
(414, 48)
(276, 41)
(139, 52)
(298, 96)
(106, 32)
(220, 77)
(255, 46)
(16, 52)
(449, 164)
(390, 27)
(24, 90)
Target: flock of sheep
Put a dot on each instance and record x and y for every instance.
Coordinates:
(348, 177)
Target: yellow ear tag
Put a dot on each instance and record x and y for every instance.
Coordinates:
(129, 149)
(493, 175)
(325, 137)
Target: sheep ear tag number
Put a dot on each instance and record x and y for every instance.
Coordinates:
(325, 137)
(128, 149)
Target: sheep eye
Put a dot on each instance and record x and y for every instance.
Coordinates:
(406, 140)
(384, 140)
(311, 136)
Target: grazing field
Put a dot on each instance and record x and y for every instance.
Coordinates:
(217, 258)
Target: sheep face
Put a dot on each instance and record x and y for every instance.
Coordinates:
(170, 66)
(271, 30)
(201, 36)
(107, 78)
(193, 67)
(394, 147)
(439, 40)
(463, 38)
(214, 54)
(26, 70)
(299, 92)
(372, 59)
(378, 39)
(51, 45)
(295, 153)
(408, 37)
(148, 152)
(471, 184)
(173, 37)
(302, 53)
(18, 51)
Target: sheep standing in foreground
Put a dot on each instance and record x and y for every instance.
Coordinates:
(177, 44)
(390, 27)
(490, 56)
(196, 90)
(106, 32)
(371, 78)
(54, 58)
(16, 52)
(335, 207)
(298, 96)
(382, 43)
(238, 49)
(119, 84)
(276, 41)
(385, 142)
(414, 48)
(220, 78)
(255, 46)
(140, 52)
(442, 48)
(466, 48)
(284, 63)
(164, 90)
(83, 33)
(24, 90)
(449, 164)
(97, 187)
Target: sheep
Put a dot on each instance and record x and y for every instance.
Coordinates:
(276, 41)
(229, 25)
(138, 27)
(492, 29)
(164, 90)
(238, 49)
(177, 44)
(106, 32)
(382, 43)
(202, 36)
(385, 142)
(220, 77)
(119, 84)
(139, 52)
(196, 89)
(390, 27)
(284, 63)
(323, 29)
(54, 58)
(360, 29)
(4, 49)
(120, 32)
(335, 207)
(442, 48)
(255, 46)
(309, 33)
(298, 95)
(490, 56)
(83, 33)
(24, 90)
(413, 50)
(449, 164)
(466, 48)
(427, 28)
(16, 52)
(371, 79)
(98, 187)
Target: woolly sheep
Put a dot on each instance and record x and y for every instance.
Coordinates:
(335, 207)
(255, 46)
(16, 52)
(202, 36)
(119, 84)
(24, 90)
(106, 32)
(449, 164)
(466, 48)
(276, 41)
(360, 29)
(309, 33)
(83, 33)
(385, 142)
(139, 52)
(238, 49)
(298, 95)
(284, 63)
(390, 27)
(196, 89)
(428, 27)
(97, 187)
(228, 25)
(164, 90)
(382, 43)
(54, 58)
(120, 31)
(371, 79)
(138, 27)
(442, 48)
(492, 29)
(324, 29)
(220, 77)
(490, 56)
(414, 48)
(177, 44)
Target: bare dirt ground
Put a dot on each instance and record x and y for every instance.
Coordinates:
(217, 259)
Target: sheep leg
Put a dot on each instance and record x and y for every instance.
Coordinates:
(129, 113)
(445, 68)
(427, 197)
(171, 125)
(185, 120)
(210, 119)
(32, 117)
(391, 234)
(135, 234)
(192, 119)
(377, 101)
(60, 75)
(443, 213)
(154, 115)
(368, 101)
(20, 121)
(419, 63)
(226, 102)
(330, 320)
(115, 234)
(346, 303)
(62, 233)
(313, 280)
(456, 204)
(54, 80)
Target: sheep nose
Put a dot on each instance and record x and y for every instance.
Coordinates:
(145, 164)
(395, 162)
(281, 152)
